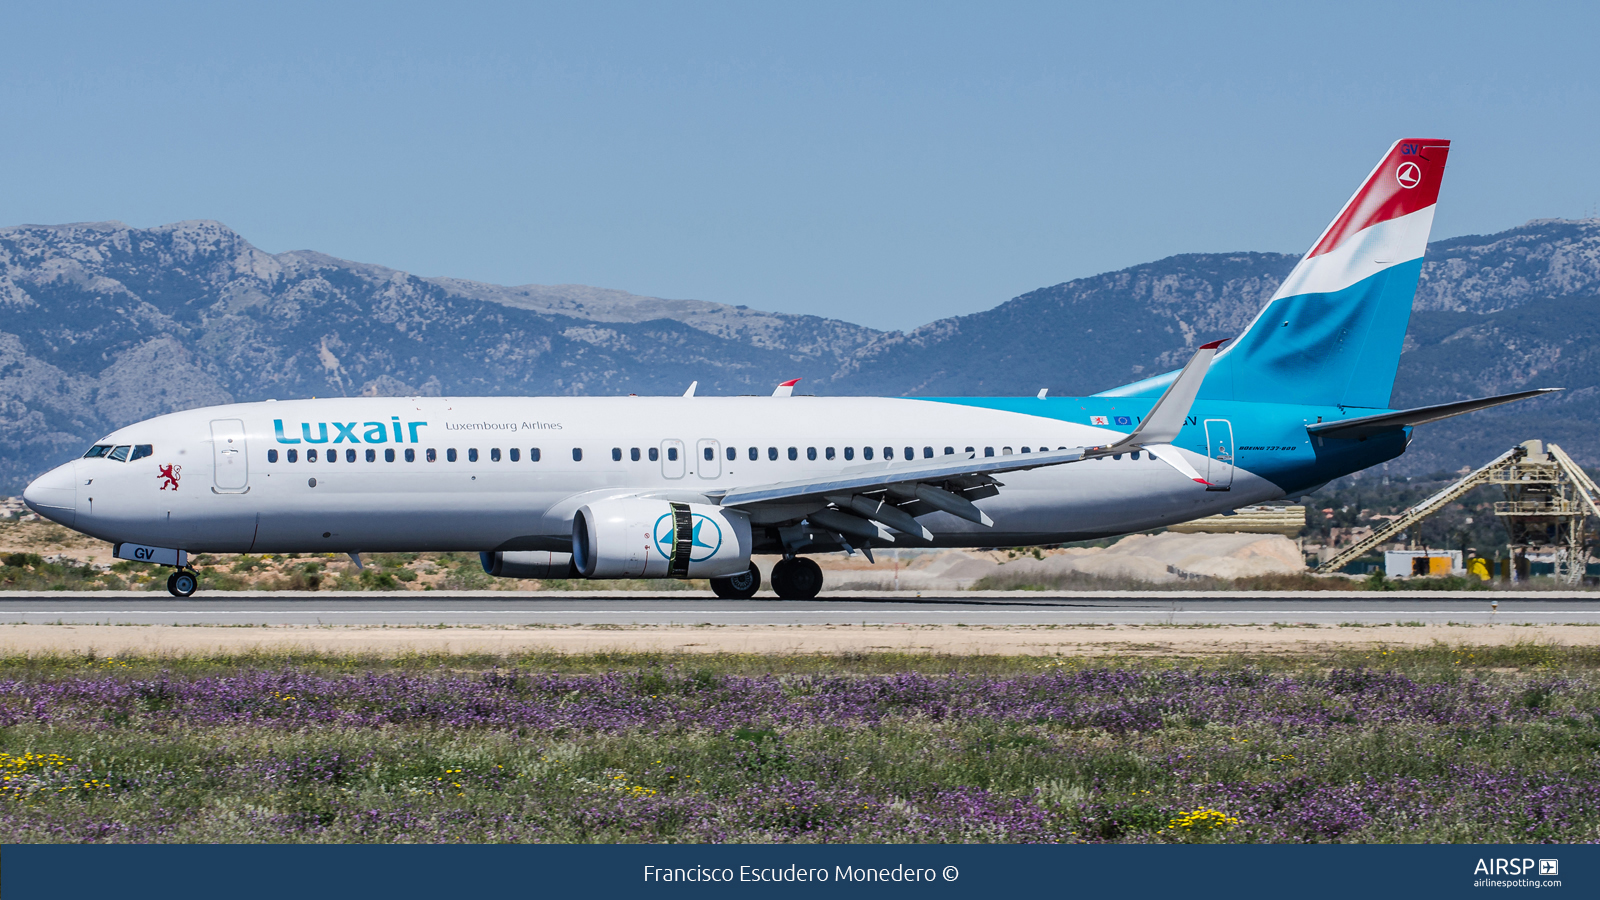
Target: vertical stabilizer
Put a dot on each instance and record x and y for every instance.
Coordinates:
(1332, 333)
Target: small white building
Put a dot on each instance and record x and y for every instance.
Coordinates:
(1406, 563)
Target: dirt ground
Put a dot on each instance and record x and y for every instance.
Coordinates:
(1086, 640)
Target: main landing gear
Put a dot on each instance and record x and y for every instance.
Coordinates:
(796, 578)
(183, 583)
(738, 587)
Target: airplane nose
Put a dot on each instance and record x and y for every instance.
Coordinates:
(54, 494)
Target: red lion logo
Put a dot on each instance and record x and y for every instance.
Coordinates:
(170, 473)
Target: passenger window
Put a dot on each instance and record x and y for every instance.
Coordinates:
(711, 454)
(888, 453)
(794, 454)
(755, 454)
(292, 455)
(949, 451)
(1134, 455)
(849, 453)
(372, 455)
(911, 453)
(311, 455)
(654, 454)
(616, 454)
(450, 455)
(494, 454)
(272, 456)
(672, 454)
(733, 454)
(411, 454)
(433, 455)
(1027, 450)
(577, 454)
(97, 451)
(1005, 451)
(827, 453)
(533, 454)
(927, 452)
(388, 454)
(634, 454)
(140, 451)
(811, 453)
(472, 454)
(988, 451)
(516, 455)
(772, 453)
(971, 450)
(120, 454)
(866, 452)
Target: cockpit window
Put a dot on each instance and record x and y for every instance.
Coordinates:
(98, 450)
(140, 451)
(120, 454)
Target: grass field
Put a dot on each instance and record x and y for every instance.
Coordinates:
(1437, 744)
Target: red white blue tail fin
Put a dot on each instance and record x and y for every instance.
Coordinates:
(1332, 333)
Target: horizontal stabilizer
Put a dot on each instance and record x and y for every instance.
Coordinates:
(1367, 426)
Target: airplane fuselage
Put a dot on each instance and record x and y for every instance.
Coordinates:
(507, 473)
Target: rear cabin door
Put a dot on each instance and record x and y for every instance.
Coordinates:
(232, 472)
(672, 461)
(709, 465)
(1219, 454)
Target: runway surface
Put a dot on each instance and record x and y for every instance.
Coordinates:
(585, 608)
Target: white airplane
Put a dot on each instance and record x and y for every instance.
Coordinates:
(690, 487)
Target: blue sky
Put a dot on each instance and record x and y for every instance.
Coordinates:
(883, 163)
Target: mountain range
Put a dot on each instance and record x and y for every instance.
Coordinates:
(102, 324)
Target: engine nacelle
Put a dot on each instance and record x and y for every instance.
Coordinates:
(659, 539)
(528, 564)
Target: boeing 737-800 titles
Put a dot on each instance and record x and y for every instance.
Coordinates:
(690, 487)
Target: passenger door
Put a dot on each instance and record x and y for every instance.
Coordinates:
(1219, 454)
(672, 461)
(709, 465)
(232, 464)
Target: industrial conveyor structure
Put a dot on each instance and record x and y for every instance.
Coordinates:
(1548, 504)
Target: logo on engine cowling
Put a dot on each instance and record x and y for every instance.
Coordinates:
(704, 541)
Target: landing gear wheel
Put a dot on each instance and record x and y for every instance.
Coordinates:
(738, 587)
(797, 578)
(182, 583)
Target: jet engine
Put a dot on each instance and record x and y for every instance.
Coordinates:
(528, 564)
(637, 538)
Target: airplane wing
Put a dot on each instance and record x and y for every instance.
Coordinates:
(1366, 426)
(861, 501)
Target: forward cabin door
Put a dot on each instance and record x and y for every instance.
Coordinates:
(232, 464)
(1219, 454)
(709, 465)
(672, 461)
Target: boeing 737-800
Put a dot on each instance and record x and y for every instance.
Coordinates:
(690, 487)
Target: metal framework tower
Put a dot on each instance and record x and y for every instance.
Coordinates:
(1549, 502)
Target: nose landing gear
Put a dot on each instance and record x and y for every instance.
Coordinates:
(182, 583)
